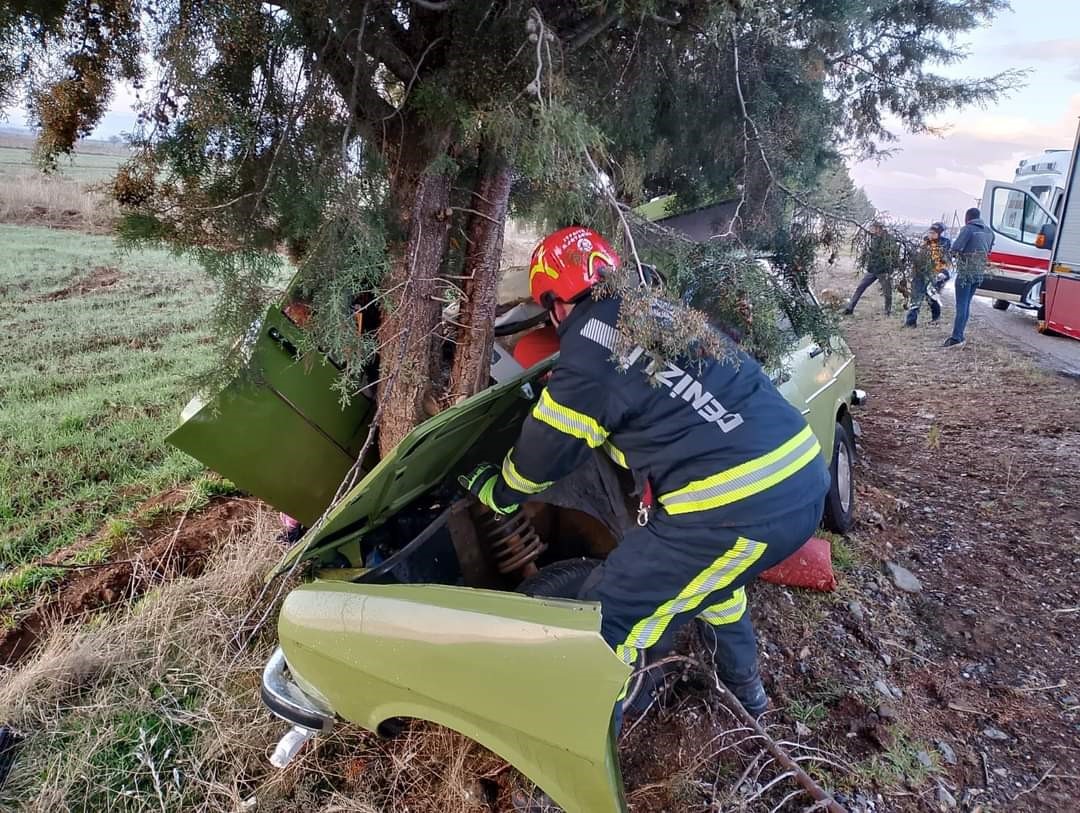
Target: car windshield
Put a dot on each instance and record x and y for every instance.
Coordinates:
(791, 293)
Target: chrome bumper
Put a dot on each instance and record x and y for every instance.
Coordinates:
(289, 702)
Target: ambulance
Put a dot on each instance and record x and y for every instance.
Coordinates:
(1035, 261)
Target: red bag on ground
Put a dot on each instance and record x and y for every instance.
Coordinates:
(810, 566)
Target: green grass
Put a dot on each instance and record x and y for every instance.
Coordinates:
(899, 766)
(844, 557)
(807, 711)
(90, 383)
(18, 585)
(89, 168)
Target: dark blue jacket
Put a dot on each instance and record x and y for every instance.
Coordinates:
(707, 434)
(971, 246)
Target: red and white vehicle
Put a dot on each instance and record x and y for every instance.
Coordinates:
(1024, 216)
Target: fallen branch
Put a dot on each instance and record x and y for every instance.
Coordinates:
(903, 648)
(817, 793)
(964, 709)
(1042, 779)
(1061, 684)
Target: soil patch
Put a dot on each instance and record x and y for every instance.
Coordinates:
(177, 545)
(103, 276)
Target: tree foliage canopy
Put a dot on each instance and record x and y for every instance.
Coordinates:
(382, 143)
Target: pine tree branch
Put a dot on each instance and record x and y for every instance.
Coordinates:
(749, 120)
(583, 35)
(340, 65)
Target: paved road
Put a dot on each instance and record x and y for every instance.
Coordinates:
(1016, 326)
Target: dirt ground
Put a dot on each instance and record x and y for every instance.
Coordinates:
(176, 543)
(966, 477)
(962, 692)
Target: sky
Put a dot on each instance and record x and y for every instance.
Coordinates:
(934, 176)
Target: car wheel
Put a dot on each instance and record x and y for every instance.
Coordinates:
(560, 579)
(1001, 304)
(840, 503)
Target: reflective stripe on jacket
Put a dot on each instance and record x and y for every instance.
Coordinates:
(706, 433)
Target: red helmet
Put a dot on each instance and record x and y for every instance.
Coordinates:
(568, 263)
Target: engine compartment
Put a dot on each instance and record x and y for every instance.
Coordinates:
(445, 538)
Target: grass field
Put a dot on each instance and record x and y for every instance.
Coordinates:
(99, 353)
(85, 167)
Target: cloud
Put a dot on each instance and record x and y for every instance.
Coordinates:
(1045, 50)
(932, 174)
(1049, 51)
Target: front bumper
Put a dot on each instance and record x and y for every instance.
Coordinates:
(289, 702)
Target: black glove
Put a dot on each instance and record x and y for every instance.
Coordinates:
(481, 482)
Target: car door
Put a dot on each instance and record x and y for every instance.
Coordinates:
(278, 430)
(1017, 218)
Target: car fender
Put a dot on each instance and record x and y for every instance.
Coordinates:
(529, 679)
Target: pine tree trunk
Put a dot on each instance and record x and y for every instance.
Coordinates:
(490, 201)
(421, 194)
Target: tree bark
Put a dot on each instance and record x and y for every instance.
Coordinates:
(484, 233)
(420, 190)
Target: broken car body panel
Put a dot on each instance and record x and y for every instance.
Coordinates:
(278, 430)
(530, 679)
(423, 459)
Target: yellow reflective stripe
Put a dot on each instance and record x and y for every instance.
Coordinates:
(568, 421)
(615, 454)
(725, 612)
(517, 481)
(721, 573)
(746, 479)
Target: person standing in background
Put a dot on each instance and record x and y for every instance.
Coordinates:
(929, 265)
(878, 257)
(971, 248)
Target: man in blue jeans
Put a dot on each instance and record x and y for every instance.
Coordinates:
(971, 246)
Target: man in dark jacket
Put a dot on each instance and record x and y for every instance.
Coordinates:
(878, 258)
(970, 248)
(734, 478)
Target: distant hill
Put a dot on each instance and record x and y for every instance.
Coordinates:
(921, 206)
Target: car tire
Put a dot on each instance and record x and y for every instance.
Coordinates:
(840, 502)
(560, 579)
(1001, 304)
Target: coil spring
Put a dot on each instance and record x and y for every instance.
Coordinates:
(513, 541)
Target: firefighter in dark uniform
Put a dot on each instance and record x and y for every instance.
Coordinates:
(737, 478)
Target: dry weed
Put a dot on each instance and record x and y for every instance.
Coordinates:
(153, 709)
(149, 710)
(35, 199)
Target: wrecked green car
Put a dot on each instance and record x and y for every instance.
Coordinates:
(423, 605)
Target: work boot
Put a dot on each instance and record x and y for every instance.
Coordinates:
(848, 311)
(750, 692)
